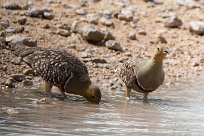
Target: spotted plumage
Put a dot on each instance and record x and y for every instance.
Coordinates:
(143, 76)
(65, 71)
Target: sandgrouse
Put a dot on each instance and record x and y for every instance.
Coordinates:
(143, 76)
(65, 71)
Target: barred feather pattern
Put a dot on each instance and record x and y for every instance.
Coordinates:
(127, 71)
(56, 66)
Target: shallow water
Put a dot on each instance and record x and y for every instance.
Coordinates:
(171, 111)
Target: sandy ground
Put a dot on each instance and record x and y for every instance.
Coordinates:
(185, 60)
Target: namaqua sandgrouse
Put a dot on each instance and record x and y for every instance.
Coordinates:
(65, 71)
(143, 76)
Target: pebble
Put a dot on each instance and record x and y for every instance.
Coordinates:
(27, 82)
(17, 39)
(142, 32)
(108, 35)
(106, 13)
(65, 26)
(41, 12)
(132, 36)
(196, 27)
(64, 32)
(35, 12)
(22, 20)
(18, 77)
(161, 39)
(189, 3)
(17, 60)
(91, 34)
(81, 11)
(4, 24)
(12, 6)
(10, 83)
(126, 14)
(92, 18)
(106, 22)
(48, 15)
(113, 45)
(99, 60)
(172, 21)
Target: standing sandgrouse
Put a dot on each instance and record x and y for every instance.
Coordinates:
(65, 71)
(143, 76)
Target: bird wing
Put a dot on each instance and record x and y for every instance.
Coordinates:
(127, 71)
(55, 66)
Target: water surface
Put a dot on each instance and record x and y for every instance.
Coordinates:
(172, 111)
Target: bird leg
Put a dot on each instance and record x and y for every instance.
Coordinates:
(127, 93)
(63, 94)
(145, 98)
(48, 87)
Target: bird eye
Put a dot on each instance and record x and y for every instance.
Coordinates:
(158, 49)
(93, 96)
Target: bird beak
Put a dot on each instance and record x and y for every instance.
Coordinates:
(166, 52)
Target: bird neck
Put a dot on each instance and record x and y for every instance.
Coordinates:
(154, 64)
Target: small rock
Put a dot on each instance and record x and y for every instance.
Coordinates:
(172, 22)
(90, 33)
(81, 11)
(12, 6)
(40, 12)
(10, 30)
(92, 18)
(28, 72)
(4, 24)
(10, 83)
(18, 77)
(16, 39)
(106, 13)
(126, 15)
(86, 54)
(142, 32)
(108, 35)
(19, 29)
(106, 22)
(64, 32)
(113, 45)
(99, 60)
(161, 39)
(35, 12)
(27, 82)
(48, 15)
(2, 34)
(17, 60)
(65, 26)
(76, 28)
(46, 26)
(51, 1)
(83, 3)
(189, 3)
(22, 20)
(197, 27)
(132, 36)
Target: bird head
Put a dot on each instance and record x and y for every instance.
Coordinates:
(93, 94)
(160, 53)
